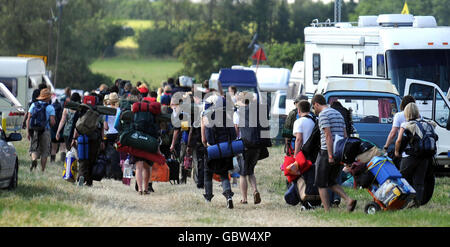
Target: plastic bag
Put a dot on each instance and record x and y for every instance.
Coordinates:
(71, 166)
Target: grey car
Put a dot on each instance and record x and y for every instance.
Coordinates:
(9, 162)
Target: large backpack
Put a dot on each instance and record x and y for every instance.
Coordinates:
(38, 119)
(312, 146)
(144, 118)
(425, 146)
(88, 122)
(251, 135)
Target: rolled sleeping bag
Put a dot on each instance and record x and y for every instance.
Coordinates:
(225, 150)
(83, 147)
(104, 110)
(139, 140)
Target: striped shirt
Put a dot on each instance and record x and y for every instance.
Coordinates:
(331, 118)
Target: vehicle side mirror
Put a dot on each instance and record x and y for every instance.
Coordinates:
(13, 137)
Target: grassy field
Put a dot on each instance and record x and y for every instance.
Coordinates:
(150, 70)
(45, 199)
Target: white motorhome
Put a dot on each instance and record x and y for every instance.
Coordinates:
(392, 46)
(21, 76)
(295, 84)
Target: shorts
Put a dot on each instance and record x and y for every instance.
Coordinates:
(326, 174)
(40, 144)
(134, 160)
(251, 157)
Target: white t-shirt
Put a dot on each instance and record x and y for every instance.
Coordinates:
(305, 126)
(399, 118)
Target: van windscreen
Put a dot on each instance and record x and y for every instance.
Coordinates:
(368, 109)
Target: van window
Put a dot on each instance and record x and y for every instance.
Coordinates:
(441, 110)
(380, 65)
(316, 68)
(369, 109)
(347, 69)
(282, 102)
(368, 65)
(11, 84)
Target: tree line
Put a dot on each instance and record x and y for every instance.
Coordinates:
(205, 36)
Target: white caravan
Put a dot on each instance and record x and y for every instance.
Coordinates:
(21, 76)
(392, 46)
(295, 84)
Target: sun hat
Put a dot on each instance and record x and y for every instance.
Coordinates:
(45, 94)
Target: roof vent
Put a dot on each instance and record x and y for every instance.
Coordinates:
(395, 20)
(343, 25)
(424, 21)
(367, 21)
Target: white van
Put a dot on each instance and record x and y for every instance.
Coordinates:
(21, 75)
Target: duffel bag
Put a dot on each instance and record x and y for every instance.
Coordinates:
(140, 140)
(225, 149)
(291, 196)
(154, 157)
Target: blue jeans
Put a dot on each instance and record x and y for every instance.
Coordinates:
(226, 186)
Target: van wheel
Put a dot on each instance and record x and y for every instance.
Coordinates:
(372, 208)
(15, 177)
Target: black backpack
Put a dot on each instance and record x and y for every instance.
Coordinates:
(251, 135)
(425, 146)
(312, 146)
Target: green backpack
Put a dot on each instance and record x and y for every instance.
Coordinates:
(88, 122)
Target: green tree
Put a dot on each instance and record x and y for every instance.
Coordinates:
(284, 55)
(281, 31)
(210, 49)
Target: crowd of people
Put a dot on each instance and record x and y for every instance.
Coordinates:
(185, 135)
(189, 128)
(335, 120)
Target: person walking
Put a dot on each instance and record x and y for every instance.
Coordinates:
(67, 123)
(331, 123)
(414, 165)
(251, 155)
(212, 134)
(95, 144)
(42, 116)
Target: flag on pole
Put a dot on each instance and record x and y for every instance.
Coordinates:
(405, 10)
(259, 55)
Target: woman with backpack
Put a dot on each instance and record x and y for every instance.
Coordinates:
(67, 123)
(215, 132)
(417, 142)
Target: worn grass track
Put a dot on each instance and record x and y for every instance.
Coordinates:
(44, 199)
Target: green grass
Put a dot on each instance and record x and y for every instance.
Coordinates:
(150, 70)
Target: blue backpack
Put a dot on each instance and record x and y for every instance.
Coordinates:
(38, 119)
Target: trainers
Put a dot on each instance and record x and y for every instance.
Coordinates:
(80, 181)
(229, 203)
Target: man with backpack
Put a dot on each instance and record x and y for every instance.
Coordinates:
(331, 123)
(215, 132)
(42, 116)
(303, 127)
(88, 136)
(417, 142)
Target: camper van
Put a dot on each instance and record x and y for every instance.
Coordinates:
(390, 46)
(21, 76)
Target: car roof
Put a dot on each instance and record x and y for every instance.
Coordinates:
(356, 84)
